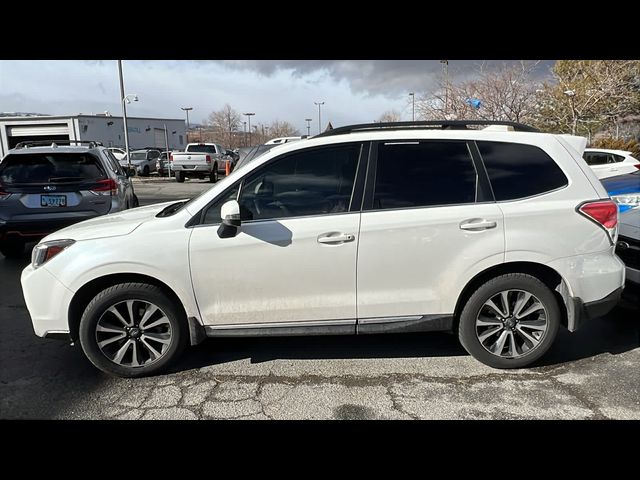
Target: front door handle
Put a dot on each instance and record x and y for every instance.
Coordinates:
(477, 224)
(335, 237)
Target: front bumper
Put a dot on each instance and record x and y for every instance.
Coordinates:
(47, 300)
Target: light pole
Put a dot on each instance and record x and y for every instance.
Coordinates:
(413, 106)
(244, 129)
(187, 109)
(308, 120)
(445, 74)
(249, 115)
(166, 144)
(125, 99)
(319, 115)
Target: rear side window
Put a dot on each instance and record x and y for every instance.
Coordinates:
(517, 170)
(36, 168)
(412, 174)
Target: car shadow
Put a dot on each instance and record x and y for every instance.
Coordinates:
(616, 333)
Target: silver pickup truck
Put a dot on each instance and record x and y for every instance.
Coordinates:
(199, 160)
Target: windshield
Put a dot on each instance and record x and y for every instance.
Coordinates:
(138, 155)
(255, 153)
(201, 148)
(36, 168)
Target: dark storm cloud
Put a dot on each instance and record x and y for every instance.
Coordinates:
(386, 77)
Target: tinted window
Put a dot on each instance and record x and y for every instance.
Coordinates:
(138, 155)
(50, 168)
(594, 158)
(314, 182)
(212, 215)
(211, 149)
(424, 174)
(518, 171)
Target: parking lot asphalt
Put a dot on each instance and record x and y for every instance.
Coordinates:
(591, 374)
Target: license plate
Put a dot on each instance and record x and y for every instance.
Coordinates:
(53, 201)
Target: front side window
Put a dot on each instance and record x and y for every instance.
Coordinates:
(422, 174)
(212, 214)
(518, 170)
(312, 182)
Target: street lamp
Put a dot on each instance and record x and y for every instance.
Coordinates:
(319, 104)
(187, 109)
(308, 120)
(244, 129)
(249, 115)
(127, 99)
(413, 106)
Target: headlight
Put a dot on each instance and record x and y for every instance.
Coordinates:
(43, 252)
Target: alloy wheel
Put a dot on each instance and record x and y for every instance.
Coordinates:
(133, 333)
(511, 323)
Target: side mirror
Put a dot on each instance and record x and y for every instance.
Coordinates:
(230, 214)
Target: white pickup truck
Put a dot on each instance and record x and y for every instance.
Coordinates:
(199, 160)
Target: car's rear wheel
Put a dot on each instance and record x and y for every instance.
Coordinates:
(12, 248)
(145, 171)
(213, 176)
(179, 177)
(132, 330)
(510, 321)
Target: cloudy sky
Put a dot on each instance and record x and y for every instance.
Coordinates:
(354, 91)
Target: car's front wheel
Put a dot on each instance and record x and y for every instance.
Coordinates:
(510, 321)
(132, 330)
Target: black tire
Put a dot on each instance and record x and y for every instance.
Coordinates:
(136, 202)
(145, 171)
(179, 177)
(12, 249)
(130, 291)
(513, 281)
(213, 176)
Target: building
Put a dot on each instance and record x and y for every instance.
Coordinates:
(104, 128)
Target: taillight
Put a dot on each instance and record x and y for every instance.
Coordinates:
(604, 213)
(105, 187)
(3, 194)
(637, 165)
(208, 159)
(171, 157)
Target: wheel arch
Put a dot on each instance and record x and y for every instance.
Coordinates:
(85, 294)
(547, 275)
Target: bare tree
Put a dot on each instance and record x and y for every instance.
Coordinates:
(587, 95)
(224, 126)
(282, 129)
(503, 93)
(390, 116)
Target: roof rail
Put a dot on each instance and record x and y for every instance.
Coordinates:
(41, 143)
(419, 125)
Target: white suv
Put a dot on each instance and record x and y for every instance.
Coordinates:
(501, 236)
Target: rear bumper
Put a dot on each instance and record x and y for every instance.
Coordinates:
(201, 169)
(36, 229)
(590, 310)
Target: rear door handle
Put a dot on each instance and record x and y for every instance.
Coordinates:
(335, 237)
(477, 224)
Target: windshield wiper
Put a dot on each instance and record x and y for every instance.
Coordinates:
(171, 209)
